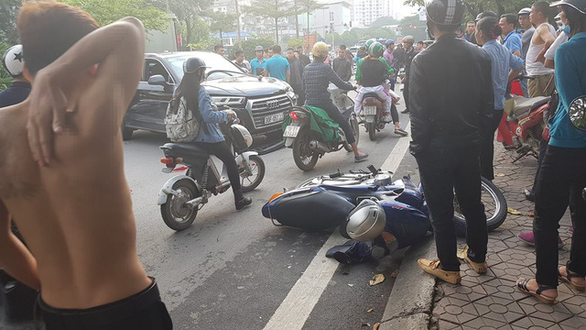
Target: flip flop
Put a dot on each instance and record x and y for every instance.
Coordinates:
(521, 284)
(568, 279)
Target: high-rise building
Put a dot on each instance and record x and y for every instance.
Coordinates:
(368, 11)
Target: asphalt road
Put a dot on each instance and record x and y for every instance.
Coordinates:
(232, 270)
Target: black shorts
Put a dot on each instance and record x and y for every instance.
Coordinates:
(144, 311)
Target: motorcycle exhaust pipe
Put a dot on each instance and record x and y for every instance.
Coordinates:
(318, 146)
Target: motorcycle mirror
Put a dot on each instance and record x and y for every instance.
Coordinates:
(577, 113)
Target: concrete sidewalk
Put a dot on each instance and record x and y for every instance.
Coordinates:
(489, 301)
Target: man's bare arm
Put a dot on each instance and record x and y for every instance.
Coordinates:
(117, 48)
(548, 39)
(15, 258)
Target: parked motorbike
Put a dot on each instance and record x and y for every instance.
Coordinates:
(307, 144)
(182, 196)
(530, 115)
(403, 201)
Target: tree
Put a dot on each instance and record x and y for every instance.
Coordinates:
(200, 38)
(383, 21)
(108, 11)
(306, 7)
(221, 22)
(411, 25)
(249, 45)
(5, 77)
(8, 14)
(273, 9)
(474, 7)
(188, 14)
(295, 42)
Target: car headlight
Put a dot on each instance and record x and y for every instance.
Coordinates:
(228, 100)
(290, 92)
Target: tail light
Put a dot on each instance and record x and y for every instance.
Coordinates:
(294, 115)
(170, 162)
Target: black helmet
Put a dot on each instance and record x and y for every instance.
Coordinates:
(192, 64)
(579, 5)
(446, 12)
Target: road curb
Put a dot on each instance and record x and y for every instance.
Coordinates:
(409, 305)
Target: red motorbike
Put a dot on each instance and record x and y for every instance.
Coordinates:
(530, 116)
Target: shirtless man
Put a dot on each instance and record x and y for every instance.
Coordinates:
(542, 39)
(69, 196)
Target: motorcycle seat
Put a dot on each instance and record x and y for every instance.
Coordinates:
(185, 149)
(375, 95)
(524, 106)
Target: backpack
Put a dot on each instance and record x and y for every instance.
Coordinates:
(182, 125)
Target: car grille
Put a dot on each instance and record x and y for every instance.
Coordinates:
(269, 106)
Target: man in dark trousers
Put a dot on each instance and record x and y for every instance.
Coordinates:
(302, 57)
(342, 65)
(296, 76)
(410, 53)
(451, 101)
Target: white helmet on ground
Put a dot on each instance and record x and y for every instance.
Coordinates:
(13, 60)
(366, 221)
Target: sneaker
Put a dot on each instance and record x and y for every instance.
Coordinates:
(433, 267)
(358, 159)
(405, 111)
(387, 119)
(529, 195)
(243, 202)
(400, 131)
(529, 238)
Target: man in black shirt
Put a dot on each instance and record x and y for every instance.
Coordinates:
(20, 88)
(302, 57)
(451, 102)
(296, 76)
(342, 65)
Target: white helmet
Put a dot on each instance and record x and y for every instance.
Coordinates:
(366, 222)
(243, 136)
(13, 60)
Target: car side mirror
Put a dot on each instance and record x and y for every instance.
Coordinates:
(577, 113)
(158, 80)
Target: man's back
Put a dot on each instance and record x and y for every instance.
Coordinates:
(76, 213)
(343, 68)
(450, 92)
(278, 67)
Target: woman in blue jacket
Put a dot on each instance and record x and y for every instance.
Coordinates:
(209, 138)
(563, 172)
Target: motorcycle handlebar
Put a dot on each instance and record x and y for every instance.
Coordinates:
(335, 175)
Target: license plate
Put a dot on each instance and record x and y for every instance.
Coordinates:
(291, 131)
(370, 110)
(274, 118)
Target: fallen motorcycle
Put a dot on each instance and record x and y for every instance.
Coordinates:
(182, 196)
(404, 203)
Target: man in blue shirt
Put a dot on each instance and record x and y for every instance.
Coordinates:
(259, 64)
(511, 39)
(278, 66)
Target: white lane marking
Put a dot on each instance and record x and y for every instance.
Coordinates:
(396, 156)
(300, 301)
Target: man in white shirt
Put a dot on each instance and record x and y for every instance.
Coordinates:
(240, 61)
(542, 39)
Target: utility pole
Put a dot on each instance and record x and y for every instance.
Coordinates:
(238, 23)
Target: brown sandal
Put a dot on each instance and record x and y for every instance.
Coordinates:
(568, 279)
(522, 286)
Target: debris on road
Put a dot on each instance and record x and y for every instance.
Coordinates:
(377, 279)
(462, 252)
(513, 211)
(370, 310)
(395, 273)
(376, 326)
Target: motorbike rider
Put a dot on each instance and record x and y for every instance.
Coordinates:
(316, 78)
(451, 101)
(20, 88)
(410, 53)
(210, 137)
(372, 77)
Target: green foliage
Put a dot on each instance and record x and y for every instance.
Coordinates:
(8, 14)
(199, 38)
(108, 11)
(222, 22)
(384, 21)
(295, 42)
(274, 9)
(249, 45)
(5, 77)
(411, 25)
(474, 7)
(352, 37)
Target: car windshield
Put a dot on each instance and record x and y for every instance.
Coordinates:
(218, 67)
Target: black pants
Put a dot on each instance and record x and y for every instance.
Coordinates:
(394, 113)
(406, 92)
(144, 311)
(223, 152)
(444, 167)
(300, 93)
(487, 148)
(561, 179)
(336, 116)
(542, 151)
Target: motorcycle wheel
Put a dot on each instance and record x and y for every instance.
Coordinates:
(257, 167)
(356, 129)
(304, 157)
(495, 207)
(371, 131)
(175, 214)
